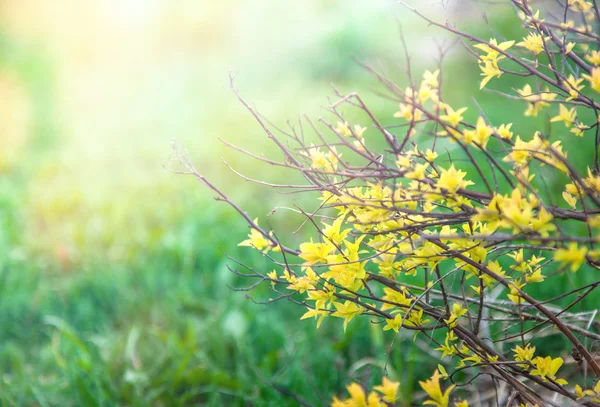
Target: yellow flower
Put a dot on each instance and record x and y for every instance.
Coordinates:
(579, 130)
(535, 277)
(595, 392)
(566, 115)
(533, 42)
(433, 390)
(332, 232)
(568, 24)
(273, 276)
(320, 160)
(338, 403)
(418, 172)
(415, 318)
(536, 101)
(569, 47)
(504, 131)
(447, 349)
(393, 323)
(344, 129)
(573, 256)
(319, 314)
(580, 5)
(315, 252)
(524, 355)
(594, 79)
(430, 155)
(357, 394)
(573, 85)
(592, 181)
(453, 117)
(482, 132)
(431, 78)
(546, 368)
(257, 240)
(359, 131)
(389, 389)
(492, 54)
(347, 310)
(534, 19)
(570, 199)
(489, 70)
(452, 180)
(301, 284)
(360, 144)
(457, 312)
(409, 112)
(593, 57)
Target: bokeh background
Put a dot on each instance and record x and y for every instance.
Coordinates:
(114, 287)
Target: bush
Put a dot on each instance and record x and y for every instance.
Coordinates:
(452, 230)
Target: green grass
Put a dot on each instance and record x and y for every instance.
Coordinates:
(163, 332)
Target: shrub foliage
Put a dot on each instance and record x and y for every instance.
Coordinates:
(449, 229)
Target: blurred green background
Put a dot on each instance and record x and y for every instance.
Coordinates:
(113, 278)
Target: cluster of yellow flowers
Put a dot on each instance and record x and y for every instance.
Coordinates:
(387, 393)
(422, 216)
(382, 396)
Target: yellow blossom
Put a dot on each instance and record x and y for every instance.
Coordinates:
(573, 85)
(570, 199)
(457, 312)
(333, 233)
(593, 57)
(257, 240)
(504, 131)
(580, 5)
(389, 389)
(433, 390)
(535, 277)
(453, 117)
(430, 155)
(533, 42)
(566, 115)
(594, 392)
(317, 157)
(393, 323)
(452, 180)
(319, 315)
(348, 310)
(359, 131)
(343, 128)
(273, 276)
(536, 101)
(594, 79)
(415, 318)
(489, 70)
(573, 256)
(482, 132)
(431, 78)
(546, 368)
(409, 112)
(579, 130)
(524, 354)
(492, 54)
(418, 172)
(315, 252)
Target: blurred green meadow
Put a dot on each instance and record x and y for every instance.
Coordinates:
(114, 279)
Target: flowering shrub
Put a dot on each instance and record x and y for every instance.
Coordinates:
(453, 253)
